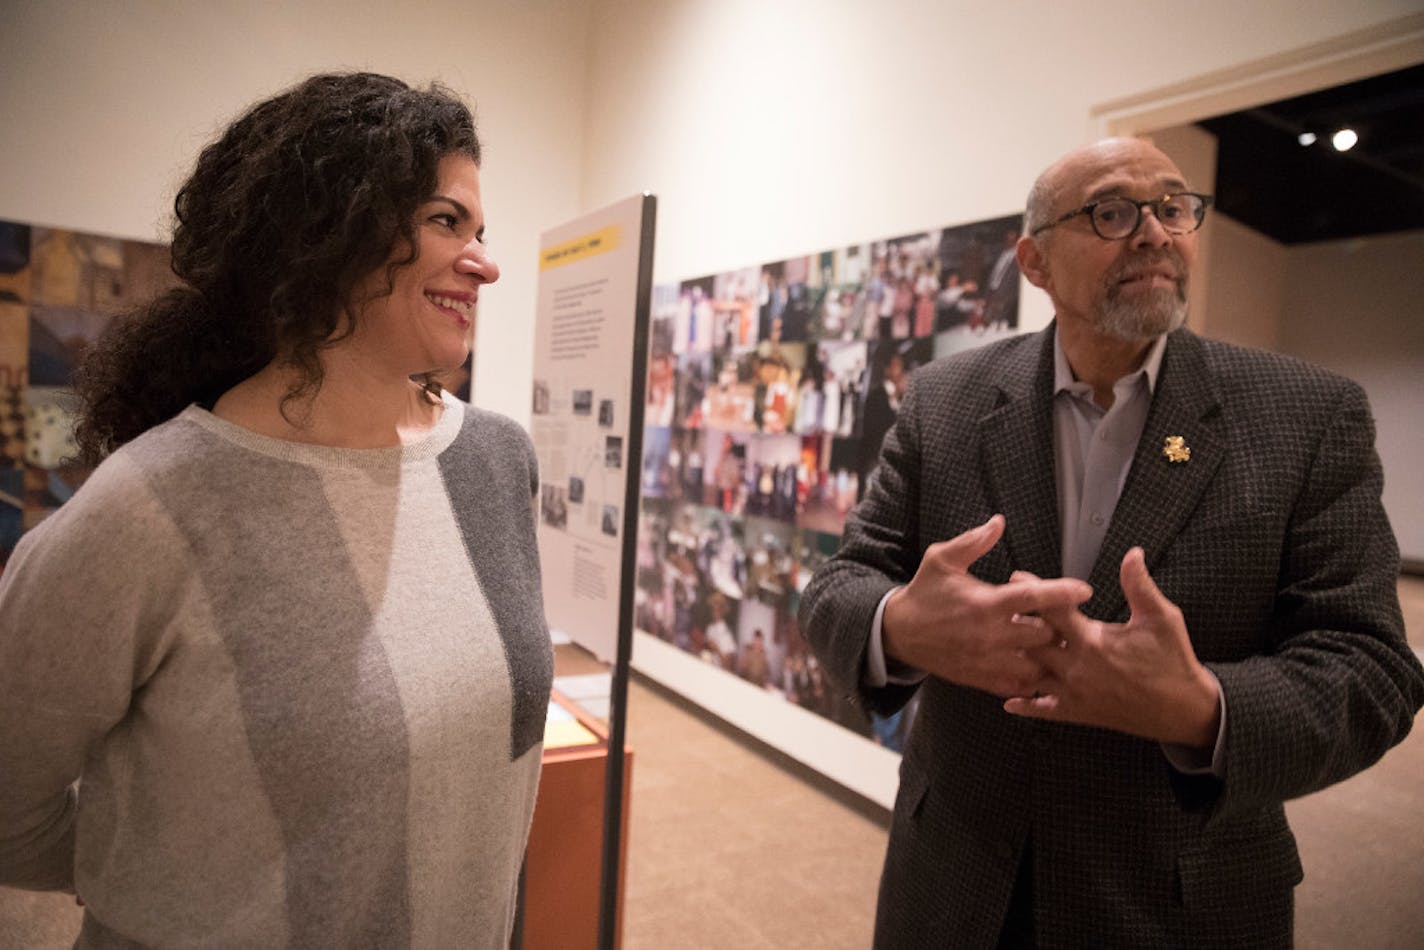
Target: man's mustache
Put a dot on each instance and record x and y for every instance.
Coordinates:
(1167, 263)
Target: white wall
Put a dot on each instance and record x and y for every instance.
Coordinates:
(104, 107)
(1350, 306)
(1248, 284)
(769, 129)
(1354, 307)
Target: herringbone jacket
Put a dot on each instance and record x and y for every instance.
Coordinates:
(1271, 539)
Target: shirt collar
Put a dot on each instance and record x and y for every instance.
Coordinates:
(1064, 381)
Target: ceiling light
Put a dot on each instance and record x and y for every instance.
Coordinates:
(1306, 138)
(1344, 140)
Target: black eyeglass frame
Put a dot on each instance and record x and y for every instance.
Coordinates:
(1156, 204)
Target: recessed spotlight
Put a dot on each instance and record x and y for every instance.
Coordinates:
(1306, 138)
(1344, 140)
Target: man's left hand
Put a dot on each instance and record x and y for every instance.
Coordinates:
(1141, 677)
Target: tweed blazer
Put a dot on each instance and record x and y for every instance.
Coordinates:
(1271, 539)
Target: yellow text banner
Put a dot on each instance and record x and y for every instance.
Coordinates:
(585, 245)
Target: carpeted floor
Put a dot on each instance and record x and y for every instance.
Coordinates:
(731, 846)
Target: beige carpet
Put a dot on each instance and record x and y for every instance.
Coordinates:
(728, 849)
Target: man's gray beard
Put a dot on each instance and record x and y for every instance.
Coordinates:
(1163, 310)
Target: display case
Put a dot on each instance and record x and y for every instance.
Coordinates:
(561, 896)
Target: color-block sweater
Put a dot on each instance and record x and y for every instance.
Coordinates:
(303, 689)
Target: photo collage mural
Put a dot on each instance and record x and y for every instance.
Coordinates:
(770, 390)
(58, 291)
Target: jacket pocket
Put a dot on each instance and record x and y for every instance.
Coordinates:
(1240, 871)
(914, 785)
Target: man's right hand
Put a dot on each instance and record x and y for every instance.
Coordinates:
(950, 624)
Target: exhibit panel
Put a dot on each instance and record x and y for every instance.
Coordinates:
(587, 403)
(586, 414)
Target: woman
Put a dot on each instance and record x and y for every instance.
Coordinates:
(289, 635)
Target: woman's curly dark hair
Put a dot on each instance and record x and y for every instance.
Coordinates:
(301, 198)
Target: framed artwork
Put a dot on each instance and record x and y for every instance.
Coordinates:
(59, 290)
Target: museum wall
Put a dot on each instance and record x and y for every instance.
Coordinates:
(774, 129)
(1248, 277)
(1351, 306)
(104, 107)
(1354, 306)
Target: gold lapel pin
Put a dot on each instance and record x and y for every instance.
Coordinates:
(1176, 449)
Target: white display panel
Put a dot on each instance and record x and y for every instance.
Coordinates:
(585, 413)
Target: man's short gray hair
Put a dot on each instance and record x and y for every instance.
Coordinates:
(1039, 210)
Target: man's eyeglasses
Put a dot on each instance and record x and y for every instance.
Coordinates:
(1114, 219)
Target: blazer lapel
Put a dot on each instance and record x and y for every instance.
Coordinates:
(1017, 452)
(1164, 486)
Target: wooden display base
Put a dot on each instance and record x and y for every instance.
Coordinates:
(563, 861)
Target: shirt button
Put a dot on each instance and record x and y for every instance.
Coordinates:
(1097, 519)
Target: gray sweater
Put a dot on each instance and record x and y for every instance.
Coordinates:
(304, 687)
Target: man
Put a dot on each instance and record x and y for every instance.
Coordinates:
(1104, 763)
(1001, 299)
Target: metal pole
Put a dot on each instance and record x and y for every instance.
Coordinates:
(618, 694)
